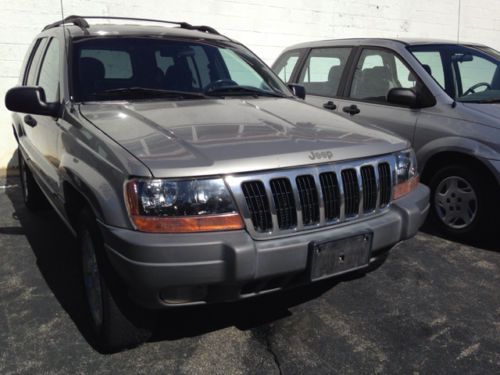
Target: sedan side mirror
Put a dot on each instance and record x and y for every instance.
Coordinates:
(298, 90)
(401, 96)
(30, 99)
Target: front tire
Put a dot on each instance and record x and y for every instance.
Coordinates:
(459, 200)
(115, 320)
(33, 197)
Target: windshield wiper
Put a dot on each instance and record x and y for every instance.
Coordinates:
(145, 91)
(242, 90)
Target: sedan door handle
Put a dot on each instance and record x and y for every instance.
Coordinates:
(329, 105)
(30, 121)
(352, 109)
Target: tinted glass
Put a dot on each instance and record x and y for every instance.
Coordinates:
(49, 72)
(323, 70)
(117, 64)
(377, 72)
(34, 63)
(285, 65)
(104, 66)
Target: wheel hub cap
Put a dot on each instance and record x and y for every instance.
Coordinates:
(455, 202)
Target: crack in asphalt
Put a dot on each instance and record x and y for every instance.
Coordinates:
(262, 334)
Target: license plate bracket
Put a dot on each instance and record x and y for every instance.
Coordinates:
(335, 257)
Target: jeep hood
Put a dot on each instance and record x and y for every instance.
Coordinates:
(224, 136)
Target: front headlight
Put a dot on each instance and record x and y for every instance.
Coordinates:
(167, 206)
(406, 173)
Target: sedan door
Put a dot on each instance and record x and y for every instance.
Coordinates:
(322, 75)
(376, 72)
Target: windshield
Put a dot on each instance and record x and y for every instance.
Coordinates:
(142, 68)
(468, 74)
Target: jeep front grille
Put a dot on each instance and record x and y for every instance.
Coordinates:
(258, 205)
(282, 202)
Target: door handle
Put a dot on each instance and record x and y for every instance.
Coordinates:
(329, 105)
(351, 109)
(30, 121)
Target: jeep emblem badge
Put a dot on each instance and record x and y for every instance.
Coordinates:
(320, 155)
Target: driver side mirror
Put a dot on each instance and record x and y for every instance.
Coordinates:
(401, 96)
(298, 90)
(30, 99)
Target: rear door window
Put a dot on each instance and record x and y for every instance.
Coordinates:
(49, 72)
(34, 63)
(323, 70)
(286, 64)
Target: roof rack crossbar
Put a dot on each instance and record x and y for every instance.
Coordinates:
(81, 22)
(75, 20)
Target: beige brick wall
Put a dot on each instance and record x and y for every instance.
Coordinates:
(266, 26)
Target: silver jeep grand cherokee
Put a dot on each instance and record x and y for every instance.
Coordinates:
(190, 174)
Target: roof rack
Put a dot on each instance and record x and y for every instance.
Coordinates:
(81, 22)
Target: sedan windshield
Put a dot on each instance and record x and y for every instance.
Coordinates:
(144, 68)
(467, 73)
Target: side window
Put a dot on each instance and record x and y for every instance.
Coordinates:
(323, 70)
(30, 76)
(433, 64)
(285, 65)
(377, 72)
(49, 72)
(476, 72)
(117, 63)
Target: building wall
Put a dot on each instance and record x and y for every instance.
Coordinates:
(265, 26)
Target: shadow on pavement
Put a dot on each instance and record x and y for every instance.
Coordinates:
(55, 250)
(490, 243)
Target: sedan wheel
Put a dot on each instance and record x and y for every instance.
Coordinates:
(463, 201)
(455, 202)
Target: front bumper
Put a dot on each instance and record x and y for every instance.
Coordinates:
(231, 265)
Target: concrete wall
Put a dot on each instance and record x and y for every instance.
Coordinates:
(266, 26)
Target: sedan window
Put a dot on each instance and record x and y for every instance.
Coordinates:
(433, 64)
(377, 72)
(323, 70)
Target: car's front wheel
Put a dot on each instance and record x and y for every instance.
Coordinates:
(32, 195)
(459, 198)
(115, 320)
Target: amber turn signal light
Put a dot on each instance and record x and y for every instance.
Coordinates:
(403, 188)
(188, 224)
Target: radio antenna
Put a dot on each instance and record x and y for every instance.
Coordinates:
(458, 23)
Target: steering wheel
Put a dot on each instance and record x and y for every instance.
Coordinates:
(218, 84)
(473, 88)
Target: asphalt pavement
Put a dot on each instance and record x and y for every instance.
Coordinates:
(432, 308)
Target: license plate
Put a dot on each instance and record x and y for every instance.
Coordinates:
(336, 257)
